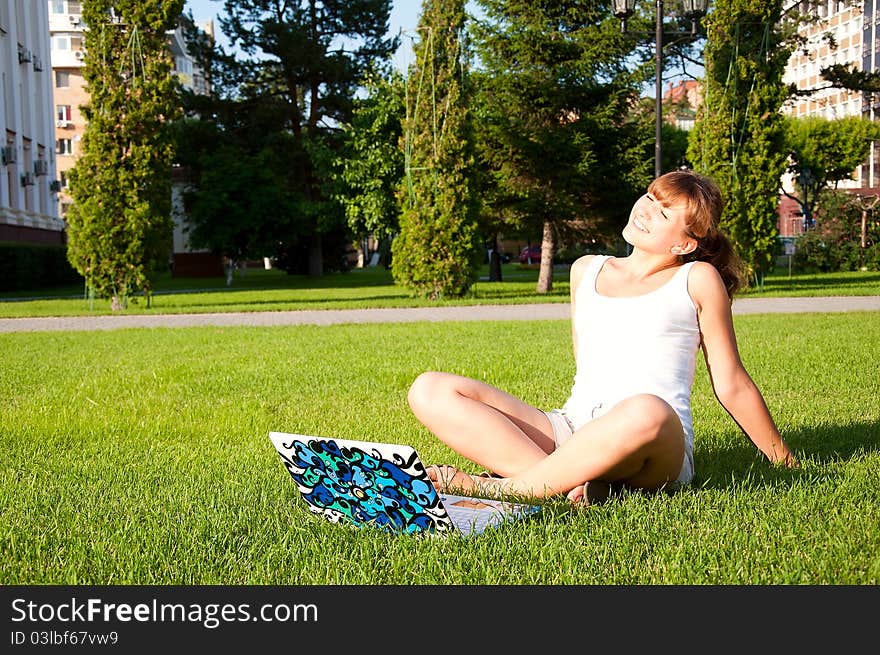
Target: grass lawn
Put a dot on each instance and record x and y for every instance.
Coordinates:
(141, 456)
(261, 290)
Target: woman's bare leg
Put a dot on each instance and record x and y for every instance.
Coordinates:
(638, 443)
(484, 424)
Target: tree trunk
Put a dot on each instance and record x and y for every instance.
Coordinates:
(316, 256)
(548, 247)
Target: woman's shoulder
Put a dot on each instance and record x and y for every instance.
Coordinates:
(580, 265)
(705, 284)
(584, 261)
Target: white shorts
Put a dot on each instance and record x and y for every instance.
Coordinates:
(563, 429)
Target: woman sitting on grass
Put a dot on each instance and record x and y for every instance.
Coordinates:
(637, 324)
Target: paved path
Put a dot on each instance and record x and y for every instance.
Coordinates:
(405, 315)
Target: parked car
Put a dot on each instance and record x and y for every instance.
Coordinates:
(533, 252)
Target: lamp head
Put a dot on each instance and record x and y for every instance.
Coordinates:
(695, 9)
(623, 9)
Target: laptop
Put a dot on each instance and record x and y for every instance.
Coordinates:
(384, 485)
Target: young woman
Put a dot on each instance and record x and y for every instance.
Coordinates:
(637, 324)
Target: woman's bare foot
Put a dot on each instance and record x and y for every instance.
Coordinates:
(446, 478)
(594, 492)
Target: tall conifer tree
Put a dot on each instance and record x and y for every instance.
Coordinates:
(438, 250)
(119, 229)
(739, 136)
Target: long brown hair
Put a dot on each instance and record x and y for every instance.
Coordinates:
(704, 204)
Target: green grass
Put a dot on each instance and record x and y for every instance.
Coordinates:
(141, 456)
(260, 290)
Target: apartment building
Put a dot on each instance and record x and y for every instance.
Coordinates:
(66, 29)
(846, 33)
(68, 52)
(28, 204)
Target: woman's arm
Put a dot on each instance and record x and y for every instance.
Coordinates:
(574, 278)
(733, 387)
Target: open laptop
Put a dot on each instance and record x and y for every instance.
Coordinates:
(384, 485)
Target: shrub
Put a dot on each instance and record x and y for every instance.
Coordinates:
(834, 244)
(30, 266)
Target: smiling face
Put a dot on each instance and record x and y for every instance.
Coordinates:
(658, 227)
(674, 217)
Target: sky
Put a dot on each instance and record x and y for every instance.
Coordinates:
(404, 18)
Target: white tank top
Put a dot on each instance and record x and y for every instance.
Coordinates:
(634, 345)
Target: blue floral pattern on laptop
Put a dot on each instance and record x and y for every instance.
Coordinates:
(352, 484)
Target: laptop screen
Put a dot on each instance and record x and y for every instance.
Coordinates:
(363, 483)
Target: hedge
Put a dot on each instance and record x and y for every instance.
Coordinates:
(29, 266)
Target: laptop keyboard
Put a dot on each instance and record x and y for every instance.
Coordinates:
(469, 520)
(471, 515)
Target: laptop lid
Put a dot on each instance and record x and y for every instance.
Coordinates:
(381, 484)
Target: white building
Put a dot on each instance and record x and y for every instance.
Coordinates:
(846, 34)
(28, 206)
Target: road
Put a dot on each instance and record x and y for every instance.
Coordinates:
(543, 311)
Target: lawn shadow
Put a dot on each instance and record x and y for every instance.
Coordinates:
(806, 282)
(725, 466)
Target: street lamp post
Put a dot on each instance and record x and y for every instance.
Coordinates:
(693, 9)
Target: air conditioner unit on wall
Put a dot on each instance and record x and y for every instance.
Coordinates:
(41, 167)
(55, 186)
(79, 54)
(27, 179)
(74, 19)
(8, 155)
(60, 123)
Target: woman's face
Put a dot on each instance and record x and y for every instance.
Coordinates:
(658, 228)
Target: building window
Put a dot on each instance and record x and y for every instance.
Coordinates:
(58, 6)
(62, 112)
(60, 43)
(62, 79)
(64, 181)
(64, 146)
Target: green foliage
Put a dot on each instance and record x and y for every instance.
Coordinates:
(28, 266)
(842, 76)
(675, 146)
(824, 152)
(439, 248)
(278, 107)
(373, 168)
(554, 100)
(739, 136)
(240, 201)
(119, 228)
(835, 243)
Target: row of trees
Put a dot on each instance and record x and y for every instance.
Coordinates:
(527, 120)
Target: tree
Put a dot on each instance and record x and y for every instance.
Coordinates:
(739, 135)
(438, 250)
(372, 170)
(241, 198)
(283, 102)
(555, 95)
(823, 152)
(119, 227)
